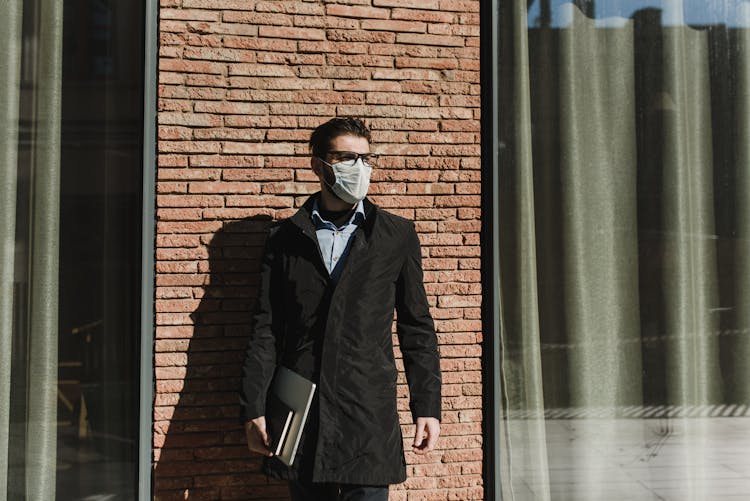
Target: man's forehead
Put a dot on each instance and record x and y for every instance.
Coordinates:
(348, 142)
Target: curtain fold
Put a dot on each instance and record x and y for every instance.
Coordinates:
(599, 219)
(520, 347)
(740, 348)
(623, 320)
(10, 68)
(41, 440)
(689, 274)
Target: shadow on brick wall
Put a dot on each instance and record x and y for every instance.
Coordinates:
(201, 453)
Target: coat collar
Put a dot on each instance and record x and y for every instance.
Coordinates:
(303, 217)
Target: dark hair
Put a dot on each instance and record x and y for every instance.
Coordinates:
(320, 139)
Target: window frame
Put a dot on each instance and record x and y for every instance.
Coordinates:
(490, 260)
(148, 248)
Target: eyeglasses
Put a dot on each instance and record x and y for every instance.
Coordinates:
(352, 157)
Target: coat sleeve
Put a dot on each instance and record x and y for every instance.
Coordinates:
(416, 334)
(260, 355)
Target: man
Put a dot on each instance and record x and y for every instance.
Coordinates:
(331, 277)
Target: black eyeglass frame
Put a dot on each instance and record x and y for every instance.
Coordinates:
(368, 158)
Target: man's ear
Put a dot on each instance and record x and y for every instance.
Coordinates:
(315, 165)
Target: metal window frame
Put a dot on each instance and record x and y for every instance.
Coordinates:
(148, 244)
(490, 262)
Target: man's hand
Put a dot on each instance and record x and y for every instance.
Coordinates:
(257, 437)
(425, 438)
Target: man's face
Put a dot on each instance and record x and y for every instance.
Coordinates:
(340, 145)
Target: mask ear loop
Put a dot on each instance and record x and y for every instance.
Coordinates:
(329, 185)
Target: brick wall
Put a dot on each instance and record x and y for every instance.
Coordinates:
(241, 85)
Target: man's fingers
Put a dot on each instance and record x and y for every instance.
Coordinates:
(260, 427)
(432, 436)
(257, 436)
(419, 433)
(263, 434)
(426, 435)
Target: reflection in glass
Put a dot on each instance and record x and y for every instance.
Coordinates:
(559, 13)
(72, 221)
(624, 249)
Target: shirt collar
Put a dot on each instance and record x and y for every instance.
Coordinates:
(357, 217)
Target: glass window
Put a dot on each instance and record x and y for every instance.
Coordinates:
(71, 240)
(624, 221)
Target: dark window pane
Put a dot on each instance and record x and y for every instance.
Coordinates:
(98, 168)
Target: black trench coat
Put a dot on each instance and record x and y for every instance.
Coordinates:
(339, 336)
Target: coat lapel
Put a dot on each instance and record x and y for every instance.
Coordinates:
(303, 220)
(360, 243)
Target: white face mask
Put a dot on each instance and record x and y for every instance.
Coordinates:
(352, 180)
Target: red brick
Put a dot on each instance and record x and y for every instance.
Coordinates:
(418, 4)
(220, 4)
(444, 137)
(178, 214)
(260, 44)
(256, 18)
(177, 240)
(290, 7)
(189, 14)
(258, 201)
(436, 214)
(459, 326)
(189, 119)
(459, 5)
(406, 74)
(189, 201)
(367, 85)
(426, 39)
(356, 11)
(189, 146)
(459, 301)
(394, 26)
(326, 22)
(238, 213)
(173, 292)
(178, 65)
(462, 377)
(433, 63)
(174, 133)
(223, 187)
(188, 227)
(258, 174)
(462, 455)
(429, 16)
(224, 161)
(462, 175)
(227, 133)
(292, 33)
(360, 36)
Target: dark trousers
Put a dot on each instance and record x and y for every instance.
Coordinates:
(302, 491)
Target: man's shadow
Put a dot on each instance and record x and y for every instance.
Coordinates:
(200, 447)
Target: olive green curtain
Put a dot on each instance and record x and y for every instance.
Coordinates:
(618, 142)
(41, 441)
(41, 87)
(10, 68)
(741, 349)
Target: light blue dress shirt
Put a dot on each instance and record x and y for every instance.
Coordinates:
(335, 242)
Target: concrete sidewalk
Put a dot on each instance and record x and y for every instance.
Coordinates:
(616, 459)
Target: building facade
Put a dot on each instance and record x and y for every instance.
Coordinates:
(584, 239)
